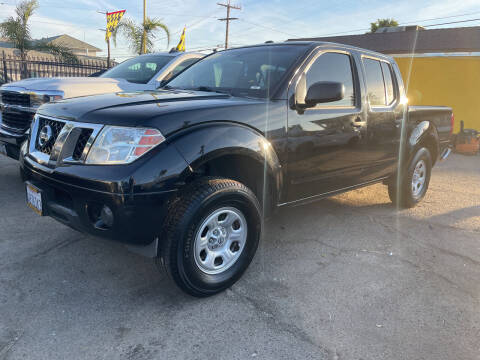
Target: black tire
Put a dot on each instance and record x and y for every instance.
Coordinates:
(405, 197)
(185, 217)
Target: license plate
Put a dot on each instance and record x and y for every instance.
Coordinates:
(3, 149)
(34, 199)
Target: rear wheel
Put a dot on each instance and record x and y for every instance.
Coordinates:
(212, 233)
(414, 182)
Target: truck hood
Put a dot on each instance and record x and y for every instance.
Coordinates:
(75, 86)
(167, 110)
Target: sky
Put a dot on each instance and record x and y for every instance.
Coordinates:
(258, 21)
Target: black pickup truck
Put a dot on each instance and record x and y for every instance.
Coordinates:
(187, 173)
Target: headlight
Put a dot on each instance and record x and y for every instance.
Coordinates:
(122, 145)
(39, 98)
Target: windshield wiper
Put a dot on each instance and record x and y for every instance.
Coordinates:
(209, 89)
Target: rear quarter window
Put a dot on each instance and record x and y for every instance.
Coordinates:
(389, 85)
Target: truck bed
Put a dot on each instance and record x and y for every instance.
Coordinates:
(440, 116)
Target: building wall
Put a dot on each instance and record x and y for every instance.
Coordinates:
(83, 52)
(451, 81)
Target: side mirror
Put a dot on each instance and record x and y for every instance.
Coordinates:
(324, 92)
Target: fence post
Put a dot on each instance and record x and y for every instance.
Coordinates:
(4, 67)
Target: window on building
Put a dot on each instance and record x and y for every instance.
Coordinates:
(333, 67)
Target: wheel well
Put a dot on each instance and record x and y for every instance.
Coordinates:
(246, 170)
(431, 144)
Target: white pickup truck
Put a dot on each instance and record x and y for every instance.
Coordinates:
(20, 100)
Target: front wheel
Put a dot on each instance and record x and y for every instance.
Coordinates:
(414, 183)
(212, 233)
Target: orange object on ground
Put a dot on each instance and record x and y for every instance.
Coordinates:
(467, 141)
(470, 147)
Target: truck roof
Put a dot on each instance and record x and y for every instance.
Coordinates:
(313, 44)
(173, 54)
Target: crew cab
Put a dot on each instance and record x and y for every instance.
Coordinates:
(187, 173)
(19, 100)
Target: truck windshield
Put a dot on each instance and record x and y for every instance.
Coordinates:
(138, 70)
(253, 71)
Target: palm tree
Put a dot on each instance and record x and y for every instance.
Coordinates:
(133, 32)
(382, 23)
(17, 31)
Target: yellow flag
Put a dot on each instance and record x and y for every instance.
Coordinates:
(181, 44)
(112, 21)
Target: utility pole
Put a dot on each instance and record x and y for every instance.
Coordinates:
(228, 18)
(144, 42)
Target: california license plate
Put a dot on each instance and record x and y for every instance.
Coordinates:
(34, 199)
(3, 149)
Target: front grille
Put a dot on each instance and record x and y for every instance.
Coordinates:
(18, 121)
(55, 126)
(55, 142)
(81, 143)
(15, 98)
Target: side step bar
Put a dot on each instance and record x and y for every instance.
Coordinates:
(445, 153)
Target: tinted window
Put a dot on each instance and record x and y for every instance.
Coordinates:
(183, 65)
(334, 67)
(253, 71)
(387, 77)
(138, 70)
(375, 86)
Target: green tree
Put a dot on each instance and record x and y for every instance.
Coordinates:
(382, 23)
(17, 31)
(133, 32)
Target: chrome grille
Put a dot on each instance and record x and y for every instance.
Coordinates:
(18, 121)
(15, 98)
(81, 143)
(61, 142)
(56, 127)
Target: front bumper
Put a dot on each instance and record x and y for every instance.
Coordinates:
(12, 142)
(138, 218)
(13, 137)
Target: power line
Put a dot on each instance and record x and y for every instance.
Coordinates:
(441, 18)
(228, 18)
(452, 22)
(191, 25)
(267, 27)
(412, 22)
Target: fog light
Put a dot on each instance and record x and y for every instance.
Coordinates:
(106, 216)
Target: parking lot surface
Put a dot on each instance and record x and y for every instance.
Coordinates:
(348, 277)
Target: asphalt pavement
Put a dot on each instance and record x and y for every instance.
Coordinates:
(348, 277)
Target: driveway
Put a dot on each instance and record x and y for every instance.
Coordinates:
(348, 277)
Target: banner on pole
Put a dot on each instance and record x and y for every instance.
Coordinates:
(112, 21)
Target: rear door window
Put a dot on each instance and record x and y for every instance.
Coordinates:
(375, 84)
